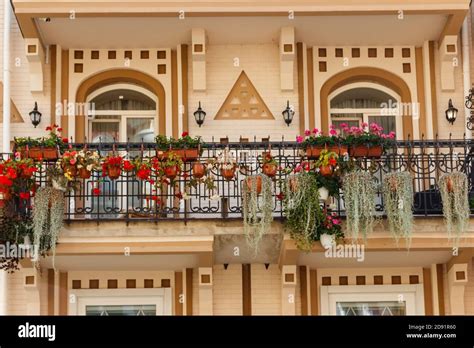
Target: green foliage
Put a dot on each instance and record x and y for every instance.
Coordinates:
(164, 143)
(53, 139)
(359, 198)
(454, 191)
(48, 215)
(257, 212)
(302, 210)
(397, 191)
(13, 230)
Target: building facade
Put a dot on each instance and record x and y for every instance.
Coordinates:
(146, 67)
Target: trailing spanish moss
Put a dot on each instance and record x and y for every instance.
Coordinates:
(454, 191)
(398, 202)
(48, 216)
(359, 198)
(257, 213)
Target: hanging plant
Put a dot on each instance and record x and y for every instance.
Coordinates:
(359, 198)
(397, 191)
(302, 209)
(257, 213)
(48, 215)
(454, 194)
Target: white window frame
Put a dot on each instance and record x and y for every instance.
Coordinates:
(412, 294)
(160, 297)
(366, 113)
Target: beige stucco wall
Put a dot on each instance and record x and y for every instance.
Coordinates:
(266, 290)
(261, 63)
(227, 290)
(20, 85)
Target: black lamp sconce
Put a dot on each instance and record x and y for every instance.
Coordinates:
(199, 115)
(288, 114)
(35, 116)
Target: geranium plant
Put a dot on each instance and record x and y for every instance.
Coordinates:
(330, 224)
(318, 138)
(367, 135)
(45, 147)
(112, 166)
(87, 161)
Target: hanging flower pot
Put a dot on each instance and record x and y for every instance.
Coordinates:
(84, 173)
(171, 172)
(366, 151)
(254, 181)
(449, 184)
(199, 170)
(70, 170)
(228, 173)
(26, 173)
(293, 183)
(323, 193)
(270, 169)
(325, 170)
(327, 240)
(114, 172)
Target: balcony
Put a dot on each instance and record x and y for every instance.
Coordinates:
(131, 199)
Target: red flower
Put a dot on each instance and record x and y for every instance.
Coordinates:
(178, 195)
(280, 196)
(49, 128)
(55, 126)
(332, 161)
(128, 166)
(25, 195)
(143, 173)
(184, 134)
(65, 140)
(156, 199)
(5, 181)
(96, 191)
(11, 173)
(185, 175)
(60, 129)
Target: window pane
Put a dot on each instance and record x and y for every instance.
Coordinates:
(121, 310)
(361, 98)
(387, 122)
(105, 132)
(139, 129)
(371, 308)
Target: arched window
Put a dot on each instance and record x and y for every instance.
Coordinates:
(357, 103)
(122, 113)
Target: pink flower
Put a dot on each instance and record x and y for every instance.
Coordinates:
(343, 125)
(333, 132)
(336, 221)
(307, 132)
(72, 162)
(364, 125)
(299, 139)
(391, 135)
(315, 131)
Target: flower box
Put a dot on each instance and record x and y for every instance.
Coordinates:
(187, 155)
(313, 152)
(40, 153)
(366, 151)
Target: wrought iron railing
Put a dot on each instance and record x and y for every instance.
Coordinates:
(130, 199)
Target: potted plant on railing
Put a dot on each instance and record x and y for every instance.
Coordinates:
(329, 230)
(5, 189)
(327, 163)
(314, 142)
(367, 141)
(269, 165)
(187, 148)
(46, 148)
(112, 166)
(328, 186)
(227, 164)
(172, 165)
(87, 161)
(68, 163)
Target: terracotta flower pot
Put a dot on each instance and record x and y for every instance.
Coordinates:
(71, 170)
(84, 173)
(187, 155)
(449, 185)
(313, 152)
(256, 182)
(228, 174)
(293, 182)
(364, 151)
(325, 170)
(270, 169)
(199, 170)
(171, 172)
(339, 150)
(114, 172)
(37, 153)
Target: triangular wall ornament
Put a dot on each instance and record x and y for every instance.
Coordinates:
(244, 103)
